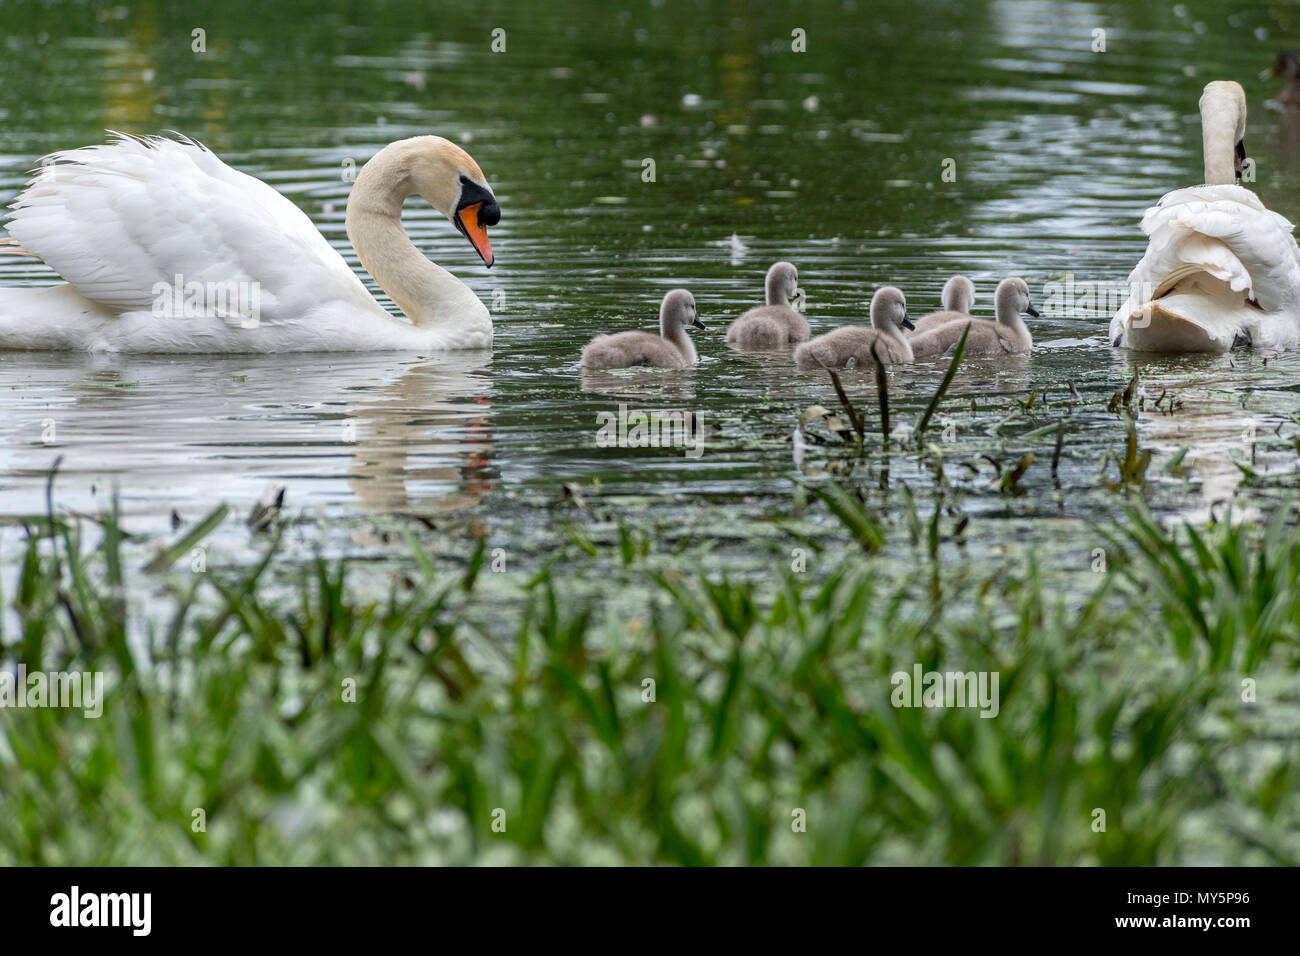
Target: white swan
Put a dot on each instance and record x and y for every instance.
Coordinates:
(167, 249)
(1220, 271)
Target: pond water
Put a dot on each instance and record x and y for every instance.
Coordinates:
(832, 158)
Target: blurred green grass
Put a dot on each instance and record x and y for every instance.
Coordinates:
(767, 701)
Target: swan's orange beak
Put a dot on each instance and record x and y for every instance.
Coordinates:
(471, 224)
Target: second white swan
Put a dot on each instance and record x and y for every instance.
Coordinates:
(1221, 271)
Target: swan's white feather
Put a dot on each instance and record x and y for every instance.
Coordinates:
(122, 221)
(1234, 265)
(114, 220)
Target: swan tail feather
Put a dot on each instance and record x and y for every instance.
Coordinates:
(121, 219)
(1220, 271)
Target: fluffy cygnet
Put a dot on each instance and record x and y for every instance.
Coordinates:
(671, 348)
(1008, 334)
(776, 324)
(850, 346)
(958, 300)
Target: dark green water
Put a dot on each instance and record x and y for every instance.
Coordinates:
(831, 158)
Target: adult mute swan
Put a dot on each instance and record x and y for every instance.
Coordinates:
(1220, 271)
(165, 248)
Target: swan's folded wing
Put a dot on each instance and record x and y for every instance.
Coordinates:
(124, 220)
(1227, 232)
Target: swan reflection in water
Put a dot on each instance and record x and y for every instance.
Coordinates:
(1216, 427)
(371, 432)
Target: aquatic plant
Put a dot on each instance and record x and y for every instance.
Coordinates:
(708, 719)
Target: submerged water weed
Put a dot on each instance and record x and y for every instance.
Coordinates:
(1133, 466)
(706, 719)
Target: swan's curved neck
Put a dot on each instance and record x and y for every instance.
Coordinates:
(1220, 151)
(428, 294)
(1221, 127)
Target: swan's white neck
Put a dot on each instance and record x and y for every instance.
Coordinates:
(1223, 122)
(429, 295)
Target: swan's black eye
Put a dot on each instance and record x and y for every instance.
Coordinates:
(489, 213)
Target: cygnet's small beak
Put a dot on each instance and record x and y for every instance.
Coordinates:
(695, 322)
(1031, 310)
(797, 300)
(908, 323)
